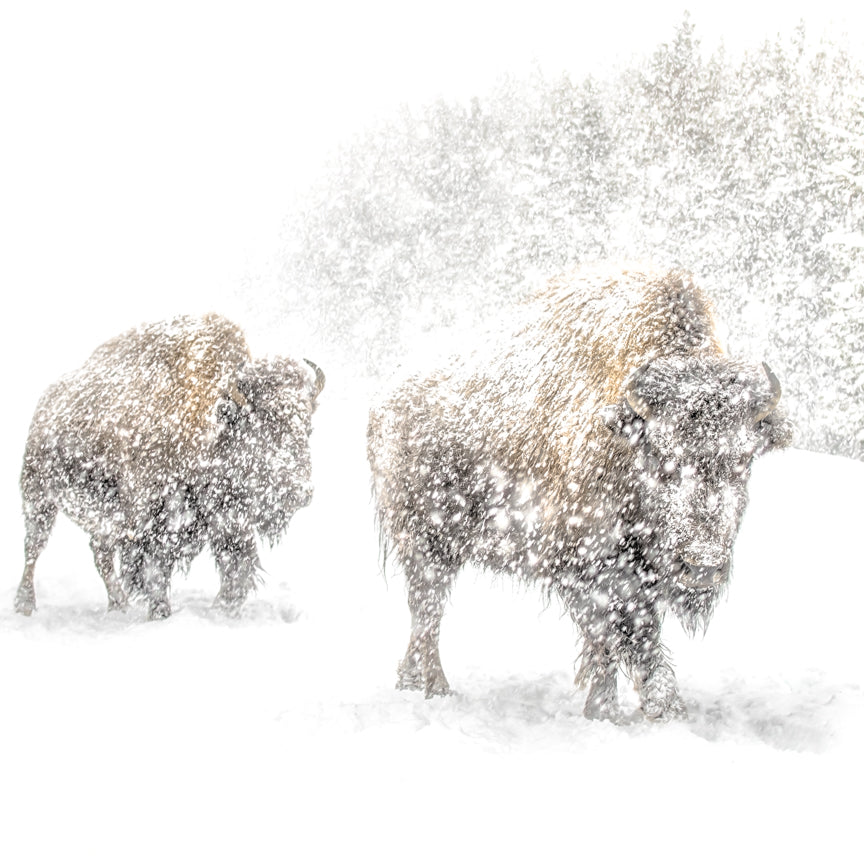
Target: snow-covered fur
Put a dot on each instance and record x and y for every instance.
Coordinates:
(602, 450)
(171, 436)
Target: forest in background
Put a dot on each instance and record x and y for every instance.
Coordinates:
(747, 170)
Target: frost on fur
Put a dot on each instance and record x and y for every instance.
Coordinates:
(169, 438)
(602, 450)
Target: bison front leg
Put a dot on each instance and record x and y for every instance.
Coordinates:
(646, 657)
(620, 624)
(599, 671)
(421, 668)
(655, 680)
(237, 560)
(660, 697)
(40, 518)
(601, 654)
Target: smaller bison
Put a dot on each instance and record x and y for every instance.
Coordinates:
(169, 438)
(600, 451)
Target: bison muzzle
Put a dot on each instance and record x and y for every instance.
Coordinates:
(602, 451)
(170, 438)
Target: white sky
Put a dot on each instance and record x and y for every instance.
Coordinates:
(149, 150)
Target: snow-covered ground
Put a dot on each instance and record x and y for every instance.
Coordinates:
(280, 735)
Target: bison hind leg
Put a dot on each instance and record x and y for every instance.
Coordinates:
(156, 572)
(132, 568)
(238, 564)
(25, 596)
(420, 669)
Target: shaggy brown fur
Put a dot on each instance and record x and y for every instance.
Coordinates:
(165, 377)
(168, 438)
(586, 333)
(529, 457)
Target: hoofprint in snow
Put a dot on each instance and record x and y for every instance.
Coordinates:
(280, 735)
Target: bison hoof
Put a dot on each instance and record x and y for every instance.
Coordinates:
(159, 610)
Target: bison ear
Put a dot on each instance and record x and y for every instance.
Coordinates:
(776, 431)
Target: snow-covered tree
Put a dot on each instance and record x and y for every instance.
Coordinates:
(748, 171)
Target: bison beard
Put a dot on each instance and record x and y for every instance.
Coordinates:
(169, 438)
(601, 451)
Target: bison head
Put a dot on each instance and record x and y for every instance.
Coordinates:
(695, 425)
(266, 420)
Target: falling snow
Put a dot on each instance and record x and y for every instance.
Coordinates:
(277, 732)
(746, 170)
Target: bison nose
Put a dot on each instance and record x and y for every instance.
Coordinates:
(702, 575)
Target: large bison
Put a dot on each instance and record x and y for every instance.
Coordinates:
(171, 436)
(602, 451)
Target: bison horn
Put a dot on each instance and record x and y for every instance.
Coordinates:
(639, 406)
(319, 376)
(776, 392)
